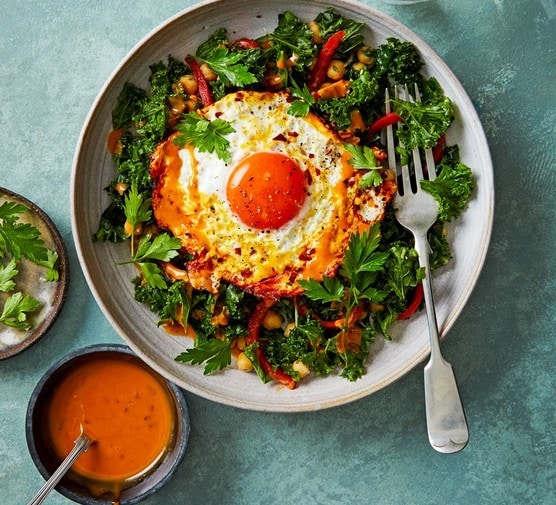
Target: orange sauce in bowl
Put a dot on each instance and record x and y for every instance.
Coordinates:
(126, 409)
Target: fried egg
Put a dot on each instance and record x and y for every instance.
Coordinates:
(283, 209)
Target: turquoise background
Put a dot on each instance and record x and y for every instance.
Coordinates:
(54, 57)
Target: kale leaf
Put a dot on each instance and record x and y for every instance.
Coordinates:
(452, 189)
(330, 21)
(291, 37)
(397, 60)
(423, 122)
(128, 105)
(362, 90)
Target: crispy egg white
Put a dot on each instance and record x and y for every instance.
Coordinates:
(192, 199)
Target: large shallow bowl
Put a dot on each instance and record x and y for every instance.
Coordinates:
(111, 284)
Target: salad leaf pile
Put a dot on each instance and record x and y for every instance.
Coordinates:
(333, 324)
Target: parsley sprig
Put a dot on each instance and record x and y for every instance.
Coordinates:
(16, 310)
(163, 247)
(360, 266)
(305, 100)
(364, 159)
(215, 353)
(205, 135)
(137, 210)
(20, 241)
(356, 283)
(8, 273)
(150, 250)
(228, 67)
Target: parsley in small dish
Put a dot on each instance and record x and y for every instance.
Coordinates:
(33, 273)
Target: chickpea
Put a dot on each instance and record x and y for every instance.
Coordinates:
(129, 230)
(241, 344)
(209, 74)
(273, 82)
(177, 104)
(192, 103)
(293, 59)
(120, 188)
(358, 66)
(365, 55)
(221, 318)
(336, 70)
(288, 329)
(175, 273)
(282, 63)
(272, 320)
(356, 121)
(390, 175)
(189, 84)
(244, 363)
(315, 30)
(301, 368)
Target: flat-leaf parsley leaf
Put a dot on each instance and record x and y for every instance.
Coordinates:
(16, 309)
(216, 353)
(364, 159)
(207, 136)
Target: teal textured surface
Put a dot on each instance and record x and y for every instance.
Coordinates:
(55, 55)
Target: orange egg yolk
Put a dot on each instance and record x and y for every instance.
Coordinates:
(266, 190)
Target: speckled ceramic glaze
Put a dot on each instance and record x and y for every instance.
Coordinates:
(111, 283)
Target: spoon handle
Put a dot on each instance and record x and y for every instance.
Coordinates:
(81, 445)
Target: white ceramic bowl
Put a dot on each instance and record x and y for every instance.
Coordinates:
(111, 284)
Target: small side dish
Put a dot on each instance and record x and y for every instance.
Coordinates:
(33, 273)
(137, 421)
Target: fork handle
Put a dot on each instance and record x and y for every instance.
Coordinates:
(446, 423)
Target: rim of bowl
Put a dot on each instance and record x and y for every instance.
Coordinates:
(145, 487)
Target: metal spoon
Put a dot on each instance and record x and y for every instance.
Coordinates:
(82, 443)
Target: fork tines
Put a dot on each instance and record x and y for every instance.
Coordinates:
(403, 172)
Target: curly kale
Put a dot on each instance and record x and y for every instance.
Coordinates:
(397, 60)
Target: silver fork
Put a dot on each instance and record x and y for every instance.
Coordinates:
(417, 211)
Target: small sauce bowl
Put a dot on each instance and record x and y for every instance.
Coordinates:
(139, 423)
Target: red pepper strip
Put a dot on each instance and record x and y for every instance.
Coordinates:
(204, 90)
(256, 321)
(382, 122)
(438, 149)
(277, 375)
(253, 331)
(318, 72)
(414, 305)
(246, 43)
